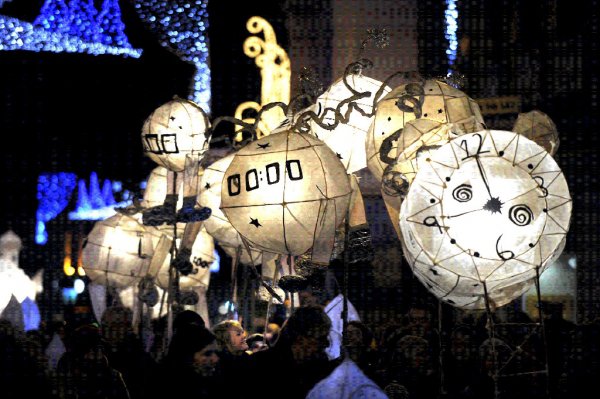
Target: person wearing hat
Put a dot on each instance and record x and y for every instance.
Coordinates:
(190, 364)
(84, 372)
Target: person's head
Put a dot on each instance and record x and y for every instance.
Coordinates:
(419, 320)
(231, 336)
(116, 324)
(411, 352)
(187, 318)
(205, 353)
(87, 346)
(359, 334)
(306, 333)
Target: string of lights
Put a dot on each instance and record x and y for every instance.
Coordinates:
(182, 28)
(451, 16)
(74, 28)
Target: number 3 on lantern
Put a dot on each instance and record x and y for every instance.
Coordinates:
(252, 181)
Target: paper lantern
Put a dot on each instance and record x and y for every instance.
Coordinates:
(173, 131)
(118, 250)
(201, 258)
(285, 192)
(347, 138)
(217, 225)
(430, 99)
(484, 211)
(538, 126)
(419, 137)
(156, 189)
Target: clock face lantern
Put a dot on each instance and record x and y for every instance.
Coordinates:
(483, 213)
(285, 192)
(118, 250)
(173, 131)
(347, 138)
(430, 99)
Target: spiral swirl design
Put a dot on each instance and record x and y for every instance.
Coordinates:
(521, 215)
(463, 193)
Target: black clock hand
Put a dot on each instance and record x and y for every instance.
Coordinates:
(482, 173)
(464, 213)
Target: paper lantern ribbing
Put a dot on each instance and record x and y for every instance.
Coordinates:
(483, 213)
(285, 191)
(118, 250)
(421, 136)
(156, 189)
(431, 99)
(347, 138)
(217, 225)
(202, 256)
(538, 127)
(173, 131)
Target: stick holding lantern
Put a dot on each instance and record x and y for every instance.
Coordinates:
(176, 136)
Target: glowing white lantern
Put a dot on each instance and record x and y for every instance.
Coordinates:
(156, 189)
(538, 126)
(431, 99)
(485, 211)
(419, 137)
(202, 256)
(347, 139)
(118, 250)
(285, 193)
(173, 131)
(217, 225)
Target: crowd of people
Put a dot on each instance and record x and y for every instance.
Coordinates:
(409, 358)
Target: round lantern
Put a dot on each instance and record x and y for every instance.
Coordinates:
(285, 191)
(202, 257)
(483, 213)
(118, 250)
(538, 126)
(173, 131)
(420, 137)
(217, 225)
(347, 138)
(430, 99)
(156, 189)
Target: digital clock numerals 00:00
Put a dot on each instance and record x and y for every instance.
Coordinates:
(273, 174)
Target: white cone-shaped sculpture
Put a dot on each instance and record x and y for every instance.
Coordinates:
(348, 137)
(430, 99)
(285, 192)
(484, 211)
(173, 131)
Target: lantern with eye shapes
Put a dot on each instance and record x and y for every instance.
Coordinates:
(173, 131)
(483, 213)
(175, 136)
(430, 99)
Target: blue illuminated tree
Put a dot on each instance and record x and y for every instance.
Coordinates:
(83, 19)
(55, 16)
(111, 30)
